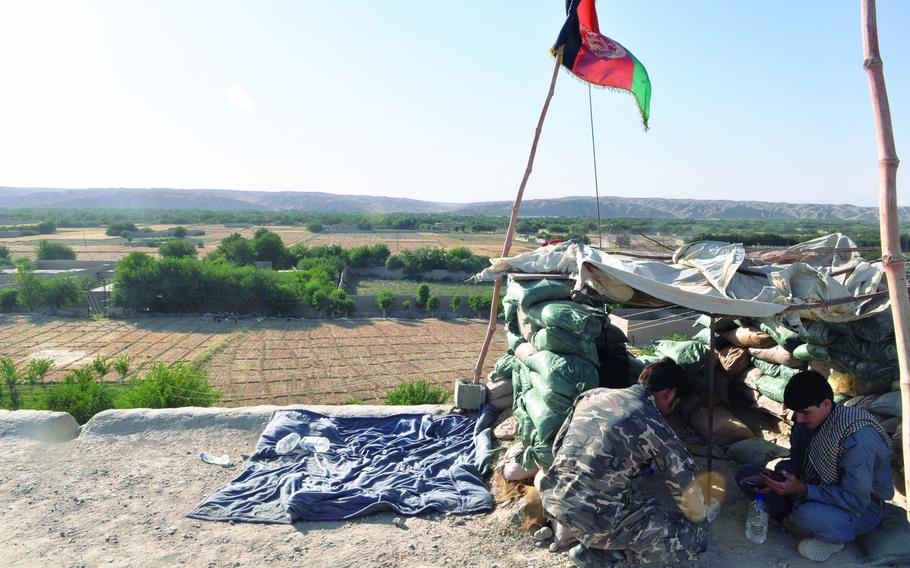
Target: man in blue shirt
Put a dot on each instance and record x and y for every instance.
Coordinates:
(838, 474)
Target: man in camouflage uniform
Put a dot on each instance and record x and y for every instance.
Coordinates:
(611, 437)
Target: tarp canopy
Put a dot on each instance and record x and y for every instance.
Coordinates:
(718, 278)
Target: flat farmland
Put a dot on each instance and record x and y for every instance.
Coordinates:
(273, 361)
(94, 244)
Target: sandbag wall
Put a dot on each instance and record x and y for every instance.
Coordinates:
(557, 349)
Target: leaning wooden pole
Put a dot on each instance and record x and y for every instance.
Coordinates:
(892, 256)
(497, 286)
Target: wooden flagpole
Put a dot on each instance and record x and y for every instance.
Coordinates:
(892, 256)
(497, 286)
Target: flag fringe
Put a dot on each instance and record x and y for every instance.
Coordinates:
(641, 113)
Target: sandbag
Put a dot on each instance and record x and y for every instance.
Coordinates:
(500, 388)
(538, 454)
(688, 354)
(613, 371)
(772, 387)
(882, 351)
(526, 293)
(889, 544)
(720, 324)
(773, 407)
(503, 368)
(861, 401)
(525, 350)
(502, 402)
(888, 404)
(756, 451)
(819, 333)
(777, 355)
(546, 420)
(864, 368)
(733, 359)
(507, 429)
(811, 351)
(526, 327)
(511, 470)
(703, 336)
(612, 334)
(878, 386)
(879, 327)
(747, 376)
(513, 340)
(748, 337)
(561, 341)
(564, 373)
(509, 311)
(841, 381)
(774, 370)
(781, 334)
(727, 428)
(577, 319)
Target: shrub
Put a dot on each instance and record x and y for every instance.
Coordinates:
(417, 392)
(122, 365)
(100, 365)
(4, 252)
(80, 394)
(423, 294)
(176, 248)
(179, 232)
(406, 304)
(170, 387)
(432, 302)
(385, 301)
(9, 299)
(455, 304)
(480, 302)
(60, 291)
(118, 229)
(30, 286)
(49, 250)
(352, 400)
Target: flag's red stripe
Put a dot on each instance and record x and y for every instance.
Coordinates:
(587, 15)
(609, 72)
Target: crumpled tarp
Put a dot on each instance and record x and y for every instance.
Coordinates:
(718, 278)
(409, 463)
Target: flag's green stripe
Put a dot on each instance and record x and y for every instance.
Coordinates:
(641, 88)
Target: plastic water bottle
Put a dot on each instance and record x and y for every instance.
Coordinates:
(287, 444)
(757, 521)
(319, 444)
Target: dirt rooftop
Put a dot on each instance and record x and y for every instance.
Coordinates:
(116, 495)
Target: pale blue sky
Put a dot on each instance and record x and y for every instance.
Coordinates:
(438, 100)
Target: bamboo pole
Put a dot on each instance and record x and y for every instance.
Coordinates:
(892, 257)
(497, 286)
(712, 362)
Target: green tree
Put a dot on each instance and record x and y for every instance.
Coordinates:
(61, 291)
(315, 227)
(177, 248)
(9, 299)
(118, 229)
(423, 294)
(235, 249)
(49, 250)
(80, 394)
(4, 252)
(268, 246)
(480, 302)
(179, 232)
(30, 286)
(385, 301)
(432, 302)
(455, 304)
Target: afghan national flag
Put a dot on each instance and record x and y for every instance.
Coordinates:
(598, 59)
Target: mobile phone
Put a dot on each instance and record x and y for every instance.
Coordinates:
(774, 475)
(754, 483)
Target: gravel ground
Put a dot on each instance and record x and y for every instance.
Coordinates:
(115, 496)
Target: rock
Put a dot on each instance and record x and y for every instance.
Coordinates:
(543, 533)
(399, 522)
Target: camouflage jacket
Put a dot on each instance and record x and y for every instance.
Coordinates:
(610, 437)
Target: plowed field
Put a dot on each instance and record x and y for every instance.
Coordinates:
(273, 361)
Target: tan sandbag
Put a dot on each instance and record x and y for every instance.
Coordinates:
(748, 377)
(733, 359)
(501, 403)
(773, 407)
(727, 428)
(748, 337)
(523, 351)
(512, 471)
(498, 389)
(507, 429)
(777, 355)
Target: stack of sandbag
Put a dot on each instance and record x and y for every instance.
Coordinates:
(554, 353)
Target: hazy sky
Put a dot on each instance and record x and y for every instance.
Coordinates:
(439, 99)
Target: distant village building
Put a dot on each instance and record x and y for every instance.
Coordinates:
(342, 228)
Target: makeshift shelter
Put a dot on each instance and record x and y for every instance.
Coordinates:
(818, 302)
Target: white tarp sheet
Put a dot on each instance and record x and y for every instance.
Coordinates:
(718, 278)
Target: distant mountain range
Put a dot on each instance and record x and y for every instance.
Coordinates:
(230, 200)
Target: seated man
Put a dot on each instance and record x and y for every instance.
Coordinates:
(838, 474)
(611, 437)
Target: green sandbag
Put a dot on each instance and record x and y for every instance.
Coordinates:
(820, 333)
(561, 341)
(536, 453)
(509, 311)
(889, 544)
(772, 387)
(879, 327)
(503, 367)
(841, 397)
(720, 324)
(521, 380)
(546, 420)
(756, 451)
(782, 334)
(703, 336)
(774, 370)
(580, 320)
(811, 352)
(881, 351)
(513, 340)
(564, 373)
(612, 334)
(689, 354)
(888, 404)
(864, 368)
(526, 293)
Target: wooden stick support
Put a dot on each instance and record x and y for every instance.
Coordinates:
(494, 305)
(892, 257)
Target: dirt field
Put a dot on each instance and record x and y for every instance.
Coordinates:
(272, 361)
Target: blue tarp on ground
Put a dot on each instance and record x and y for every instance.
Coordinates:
(409, 463)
